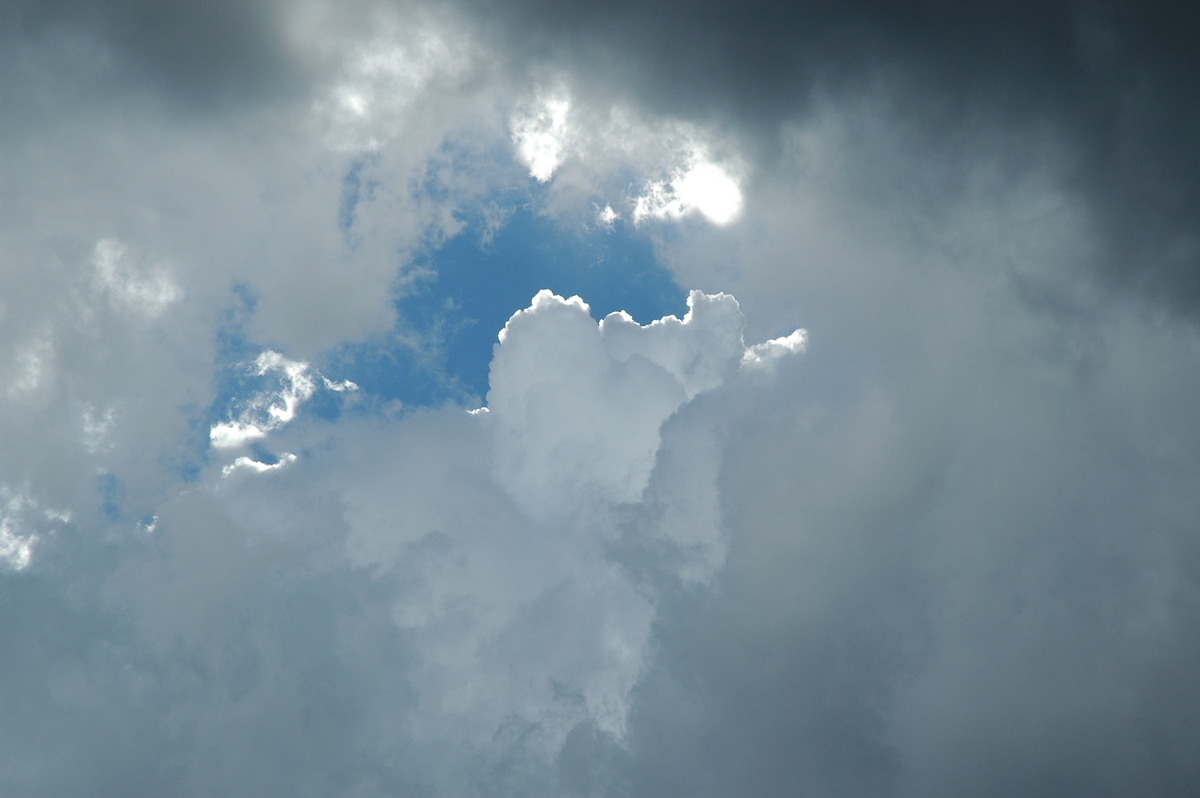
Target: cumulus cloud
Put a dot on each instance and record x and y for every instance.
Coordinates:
(586, 401)
(503, 528)
(482, 605)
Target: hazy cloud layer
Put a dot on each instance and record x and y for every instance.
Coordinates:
(943, 541)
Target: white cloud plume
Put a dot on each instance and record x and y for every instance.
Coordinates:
(699, 187)
(267, 411)
(539, 134)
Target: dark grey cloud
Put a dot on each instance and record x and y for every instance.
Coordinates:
(197, 57)
(1112, 81)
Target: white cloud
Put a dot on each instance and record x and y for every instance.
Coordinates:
(680, 168)
(769, 351)
(540, 132)
(270, 410)
(21, 519)
(15, 550)
(257, 467)
(606, 217)
(700, 187)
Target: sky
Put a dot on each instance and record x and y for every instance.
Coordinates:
(616, 399)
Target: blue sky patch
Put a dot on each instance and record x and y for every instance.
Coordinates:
(478, 279)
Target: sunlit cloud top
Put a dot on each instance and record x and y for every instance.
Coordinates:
(540, 135)
(702, 188)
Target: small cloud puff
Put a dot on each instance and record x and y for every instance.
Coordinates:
(250, 464)
(270, 410)
(539, 134)
(770, 351)
(147, 289)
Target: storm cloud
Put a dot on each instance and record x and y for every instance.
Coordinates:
(893, 492)
(1109, 83)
